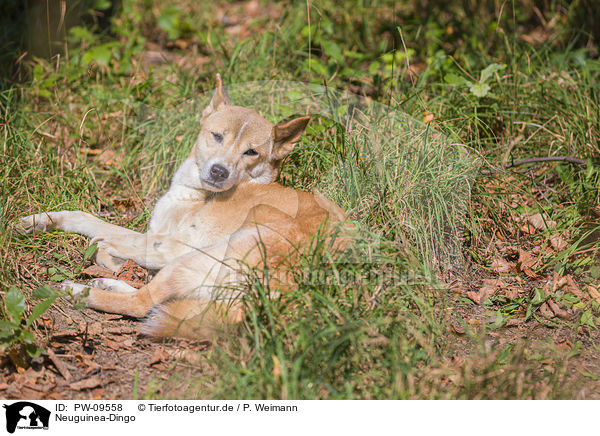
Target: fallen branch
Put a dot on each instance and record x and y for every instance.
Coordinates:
(569, 159)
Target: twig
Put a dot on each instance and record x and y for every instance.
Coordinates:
(569, 159)
(59, 365)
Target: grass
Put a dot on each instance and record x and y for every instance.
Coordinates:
(412, 103)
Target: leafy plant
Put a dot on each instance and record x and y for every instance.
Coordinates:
(15, 329)
(480, 88)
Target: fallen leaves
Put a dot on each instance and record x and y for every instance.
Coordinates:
(131, 273)
(60, 365)
(501, 266)
(490, 287)
(527, 264)
(160, 355)
(594, 293)
(531, 224)
(98, 271)
(87, 363)
(30, 384)
(557, 243)
(547, 299)
(86, 383)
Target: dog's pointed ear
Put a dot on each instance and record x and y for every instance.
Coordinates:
(219, 99)
(285, 135)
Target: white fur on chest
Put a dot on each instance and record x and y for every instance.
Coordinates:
(173, 209)
(182, 215)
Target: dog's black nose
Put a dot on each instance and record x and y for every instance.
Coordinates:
(218, 173)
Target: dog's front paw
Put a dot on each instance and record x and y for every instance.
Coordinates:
(75, 288)
(36, 223)
(112, 285)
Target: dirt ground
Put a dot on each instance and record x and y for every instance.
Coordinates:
(95, 355)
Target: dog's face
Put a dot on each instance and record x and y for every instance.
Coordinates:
(236, 144)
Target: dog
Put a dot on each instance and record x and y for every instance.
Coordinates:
(223, 214)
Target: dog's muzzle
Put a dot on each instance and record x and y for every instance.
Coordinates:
(218, 173)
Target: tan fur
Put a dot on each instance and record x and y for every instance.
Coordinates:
(223, 213)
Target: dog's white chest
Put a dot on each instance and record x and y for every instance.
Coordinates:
(183, 216)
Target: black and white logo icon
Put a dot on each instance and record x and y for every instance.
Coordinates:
(26, 415)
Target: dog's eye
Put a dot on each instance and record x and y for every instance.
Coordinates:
(250, 152)
(218, 137)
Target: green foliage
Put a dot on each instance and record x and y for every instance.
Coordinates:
(15, 328)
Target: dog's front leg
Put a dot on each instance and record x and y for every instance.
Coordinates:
(79, 222)
(148, 250)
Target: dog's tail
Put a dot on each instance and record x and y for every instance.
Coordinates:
(193, 319)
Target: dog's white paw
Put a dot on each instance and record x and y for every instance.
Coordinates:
(35, 223)
(112, 285)
(75, 288)
(105, 245)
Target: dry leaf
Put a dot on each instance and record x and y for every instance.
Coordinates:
(59, 364)
(189, 356)
(123, 330)
(594, 293)
(457, 329)
(526, 263)
(558, 243)
(572, 288)
(91, 368)
(109, 157)
(160, 355)
(63, 334)
(95, 329)
(276, 368)
(428, 117)
(474, 296)
(490, 287)
(558, 282)
(133, 274)
(123, 204)
(98, 271)
(88, 383)
(501, 266)
(536, 222)
(513, 293)
(545, 310)
(98, 394)
(564, 344)
(112, 344)
(557, 310)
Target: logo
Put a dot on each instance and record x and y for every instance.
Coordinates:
(26, 415)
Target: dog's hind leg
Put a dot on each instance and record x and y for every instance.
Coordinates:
(193, 318)
(196, 275)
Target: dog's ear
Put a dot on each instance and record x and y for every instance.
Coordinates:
(219, 99)
(285, 136)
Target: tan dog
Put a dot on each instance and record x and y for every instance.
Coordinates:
(222, 211)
